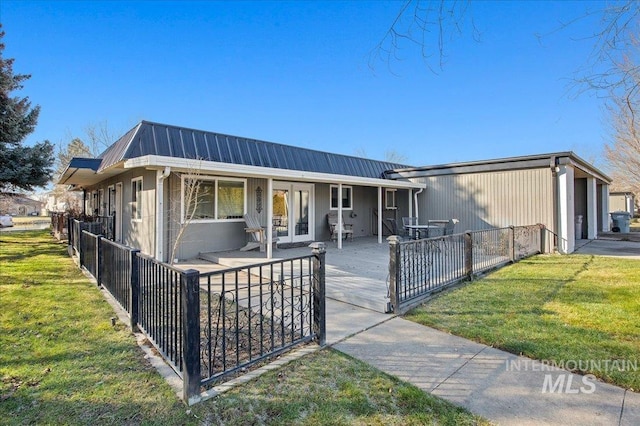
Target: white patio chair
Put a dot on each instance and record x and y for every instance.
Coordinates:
(258, 234)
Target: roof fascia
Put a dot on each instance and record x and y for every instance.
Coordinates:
(157, 162)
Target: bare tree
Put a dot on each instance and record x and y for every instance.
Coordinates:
(99, 137)
(191, 198)
(623, 152)
(426, 25)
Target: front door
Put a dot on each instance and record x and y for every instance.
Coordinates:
(293, 211)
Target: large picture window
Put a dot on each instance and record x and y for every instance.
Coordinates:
(210, 198)
(347, 197)
(136, 198)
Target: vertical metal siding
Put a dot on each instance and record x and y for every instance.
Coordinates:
(492, 199)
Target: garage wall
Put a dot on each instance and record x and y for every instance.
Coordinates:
(490, 199)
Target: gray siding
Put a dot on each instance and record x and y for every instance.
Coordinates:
(138, 234)
(491, 199)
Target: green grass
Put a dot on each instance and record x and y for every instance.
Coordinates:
(62, 362)
(553, 308)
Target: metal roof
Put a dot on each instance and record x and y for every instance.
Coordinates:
(148, 138)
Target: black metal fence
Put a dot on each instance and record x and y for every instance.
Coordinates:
(117, 268)
(253, 312)
(419, 268)
(208, 326)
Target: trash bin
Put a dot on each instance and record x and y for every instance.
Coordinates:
(621, 221)
(578, 223)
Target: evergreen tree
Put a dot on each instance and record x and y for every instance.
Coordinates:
(21, 167)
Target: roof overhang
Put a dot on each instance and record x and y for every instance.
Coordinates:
(506, 164)
(82, 172)
(184, 165)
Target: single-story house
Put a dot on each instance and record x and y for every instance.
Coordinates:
(620, 201)
(19, 205)
(143, 179)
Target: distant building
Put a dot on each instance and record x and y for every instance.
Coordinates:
(622, 202)
(19, 205)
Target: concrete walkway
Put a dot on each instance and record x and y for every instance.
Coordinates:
(502, 387)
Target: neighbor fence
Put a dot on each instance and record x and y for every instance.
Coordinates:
(418, 268)
(209, 326)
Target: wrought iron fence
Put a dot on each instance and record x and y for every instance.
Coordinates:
(116, 273)
(107, 226)
(253, 312)
(420, 267)
(89, 252)
(160, 307)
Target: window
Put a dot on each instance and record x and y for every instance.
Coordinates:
(347, 197)
(136, 198)
(390, 199)
(212, 198)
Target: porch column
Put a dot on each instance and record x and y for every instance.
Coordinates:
(604, 208)
(592, 209)
(379, 215)
(410, 191)
(566, 209)
(269, 218)
(340, 224)
(160, 216)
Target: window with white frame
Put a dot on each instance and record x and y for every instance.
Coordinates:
(136, 198)
(213, 198)
(390, 199)
(95, 203)
(347, 197)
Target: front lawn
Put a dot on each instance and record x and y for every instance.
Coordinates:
(62, 362)
(562, 309)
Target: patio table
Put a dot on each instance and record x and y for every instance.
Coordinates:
(418, 229)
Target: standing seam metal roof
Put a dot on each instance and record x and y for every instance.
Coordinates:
(148, 138)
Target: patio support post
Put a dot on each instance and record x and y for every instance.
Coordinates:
(604, 210)
(468, 255)
(134, 282)
(340, 224)
(190, 289)
(394, 274)
(592, 209)
(318, 249)
(269, 218)
(379, 215)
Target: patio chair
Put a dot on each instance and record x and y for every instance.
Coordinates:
(258, 234)
(450, 226)
(394, 228)
(409, 221)
(347, 228)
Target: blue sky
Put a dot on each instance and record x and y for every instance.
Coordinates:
(298, 73)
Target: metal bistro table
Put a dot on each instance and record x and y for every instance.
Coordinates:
(418, 230)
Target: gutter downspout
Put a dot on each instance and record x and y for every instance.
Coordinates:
(161, 175)
(415, 202)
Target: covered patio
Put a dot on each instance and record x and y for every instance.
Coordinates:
(357, 274)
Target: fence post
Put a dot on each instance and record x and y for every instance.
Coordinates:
(512, 241)
(134, 297)
(99, 259)
(543, 238)
(319, 311)
(468, 255)
(394, 274)
(190, 289)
